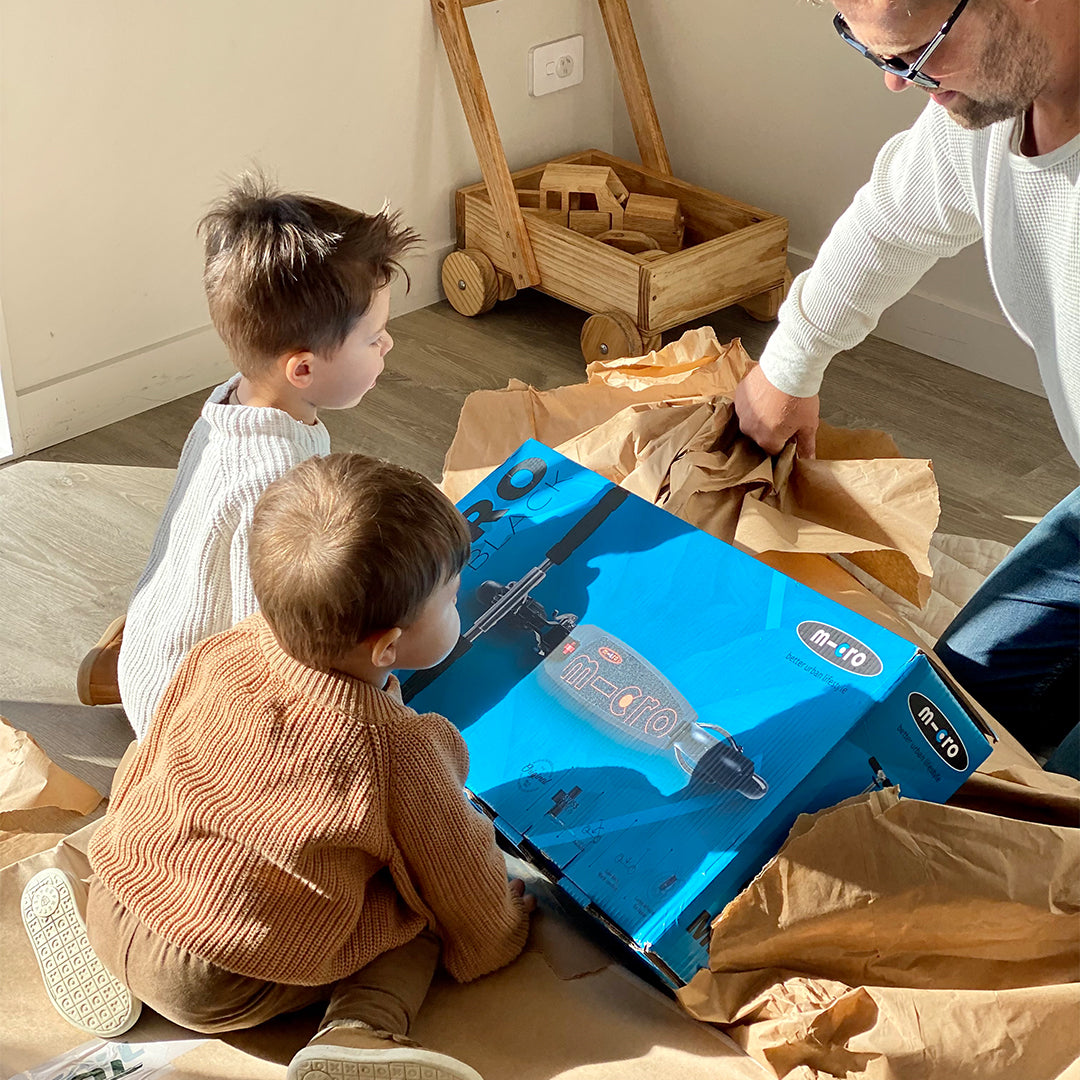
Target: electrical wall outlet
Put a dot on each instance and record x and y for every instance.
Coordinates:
(556, 65)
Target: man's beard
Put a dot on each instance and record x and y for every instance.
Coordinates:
(1015, 62)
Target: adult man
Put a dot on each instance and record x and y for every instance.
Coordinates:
(996, 156)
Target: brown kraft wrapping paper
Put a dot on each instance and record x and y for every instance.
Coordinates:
(663, 426)
(39, 801)
(899, 940)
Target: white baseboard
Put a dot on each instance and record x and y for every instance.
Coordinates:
(113, 390)
(969, 339)
(86, 400)
(11, 442)
(425, 275)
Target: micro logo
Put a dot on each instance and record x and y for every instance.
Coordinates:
(610, 655)
(839, 649)
(938, 732)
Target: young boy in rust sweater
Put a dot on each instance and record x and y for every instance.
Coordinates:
(289, 831)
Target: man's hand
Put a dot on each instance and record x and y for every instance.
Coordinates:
(770, 417)
(528, 901)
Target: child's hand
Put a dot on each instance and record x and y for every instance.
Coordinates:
(528, 901)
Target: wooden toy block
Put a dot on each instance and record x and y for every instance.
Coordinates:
(564, 188)
(531, 206)
(590, 222)
(628, 241)
(734, 251)
(656, 216)
(551, 216)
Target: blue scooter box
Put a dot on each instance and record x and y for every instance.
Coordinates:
(647, 709)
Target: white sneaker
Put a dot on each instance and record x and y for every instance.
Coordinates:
(81, 989)
(354, 1051)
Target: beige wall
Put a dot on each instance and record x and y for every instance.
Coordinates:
(122, 117)
(760, 100)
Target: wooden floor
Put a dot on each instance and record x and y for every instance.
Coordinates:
(77, 519)
(997, 454)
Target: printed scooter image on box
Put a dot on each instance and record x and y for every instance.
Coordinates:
(647, 709)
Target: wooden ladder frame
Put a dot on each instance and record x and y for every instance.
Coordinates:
(450, 16)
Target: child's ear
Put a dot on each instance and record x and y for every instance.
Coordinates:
(297, 367)
(384, 647)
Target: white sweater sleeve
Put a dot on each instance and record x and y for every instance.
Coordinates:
(917, 207)
(243, 593)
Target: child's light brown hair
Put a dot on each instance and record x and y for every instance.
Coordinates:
(289, 272)
(345, 546)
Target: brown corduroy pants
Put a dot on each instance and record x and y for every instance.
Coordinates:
(386, 994)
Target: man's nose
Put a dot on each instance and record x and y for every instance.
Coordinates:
(895, 83)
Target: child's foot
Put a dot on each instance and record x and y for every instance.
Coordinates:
(83, 992)
(354, 1051)
(96, 682)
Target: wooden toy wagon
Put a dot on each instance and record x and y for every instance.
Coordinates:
(561, 228)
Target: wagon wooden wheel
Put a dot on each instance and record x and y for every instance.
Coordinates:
(766, 306)
(470, 281)
(608, 336)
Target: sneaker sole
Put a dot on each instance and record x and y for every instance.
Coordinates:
(80, 987)
(403, 1063)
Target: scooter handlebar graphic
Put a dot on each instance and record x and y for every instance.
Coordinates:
(612, 499)
(511, 598)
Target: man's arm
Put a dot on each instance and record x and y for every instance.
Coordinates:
(916, 208)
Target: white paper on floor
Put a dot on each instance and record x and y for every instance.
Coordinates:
(98, 1060)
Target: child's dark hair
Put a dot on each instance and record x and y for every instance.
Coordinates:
(286, 271)
(345, 546)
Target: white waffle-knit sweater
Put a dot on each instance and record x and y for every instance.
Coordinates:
(935, 189)
(197, 581)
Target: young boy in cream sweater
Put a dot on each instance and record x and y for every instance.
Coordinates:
(298, 289)
(289, 831)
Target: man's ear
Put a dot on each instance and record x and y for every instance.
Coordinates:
(297, 367)
(384, 647)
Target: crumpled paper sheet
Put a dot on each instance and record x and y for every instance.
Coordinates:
(39, 801)
(898, 940)
(663, 426)
(960, 564)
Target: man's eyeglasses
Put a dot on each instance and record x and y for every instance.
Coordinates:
(893, 64)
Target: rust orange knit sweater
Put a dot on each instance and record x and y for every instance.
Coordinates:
(291, 825)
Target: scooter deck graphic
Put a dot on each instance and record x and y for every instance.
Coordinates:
(600, 678)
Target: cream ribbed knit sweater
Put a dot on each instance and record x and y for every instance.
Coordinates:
(197, 581)
(292, 825)
(935, 189)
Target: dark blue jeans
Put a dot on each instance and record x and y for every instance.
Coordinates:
(1015, 645)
